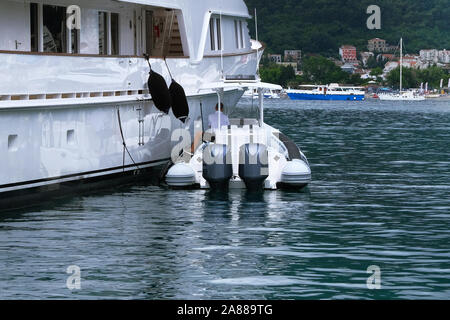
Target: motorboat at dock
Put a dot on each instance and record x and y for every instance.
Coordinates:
(247, 153)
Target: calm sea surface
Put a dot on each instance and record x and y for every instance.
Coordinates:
(380, 196)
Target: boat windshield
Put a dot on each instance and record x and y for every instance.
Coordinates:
(245, 112)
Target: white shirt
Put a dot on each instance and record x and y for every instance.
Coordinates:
(213, 120)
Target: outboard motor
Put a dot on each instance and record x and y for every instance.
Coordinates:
(217, 166)
(253, 165)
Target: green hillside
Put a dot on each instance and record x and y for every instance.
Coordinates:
(321, 26)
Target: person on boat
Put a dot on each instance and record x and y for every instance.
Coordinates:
(213, 119)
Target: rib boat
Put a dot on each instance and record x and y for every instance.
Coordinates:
(246, 153)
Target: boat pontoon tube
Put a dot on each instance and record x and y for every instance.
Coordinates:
(296, 173)
(180, 175)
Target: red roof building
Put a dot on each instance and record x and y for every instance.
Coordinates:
(348, 53)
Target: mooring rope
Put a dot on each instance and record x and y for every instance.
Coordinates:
(125, 148)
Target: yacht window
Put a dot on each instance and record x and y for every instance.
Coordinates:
(212, 35)
(241, 34)
(215, 31)
(75, 41)
(219, 35)
(54, 29)
(236, 33)
(102, 33)
(115, 34)
(34, 27)
(149, 29)
(108, 33)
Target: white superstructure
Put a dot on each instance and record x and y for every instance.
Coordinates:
(64, 94)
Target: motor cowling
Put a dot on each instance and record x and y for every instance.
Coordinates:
(217, 166)
(253, 165)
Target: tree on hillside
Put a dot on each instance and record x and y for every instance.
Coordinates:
(375, 62)
(433, 76)
(321, 26)
(278, 74)
(413, 77)
(409, 78)
(376, 72)
(320, 70)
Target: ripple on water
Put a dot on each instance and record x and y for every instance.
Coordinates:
(379, 196)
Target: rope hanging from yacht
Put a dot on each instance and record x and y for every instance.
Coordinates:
(125, 148)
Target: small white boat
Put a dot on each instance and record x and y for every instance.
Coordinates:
(402, 95)
(270, 94)
(432, 96)
(247, 153)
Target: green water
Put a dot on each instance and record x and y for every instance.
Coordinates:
(380, 196)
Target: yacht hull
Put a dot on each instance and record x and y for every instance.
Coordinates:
(79, 148)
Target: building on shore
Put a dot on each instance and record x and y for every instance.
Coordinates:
(365, 57)
(429, 56)
(349, 67)
(389, 66)
(293, 56)
(376, 45)
(348, 54)
(276, 58)
(379, 45)
(387, 57)
(411, 61)
(444, 56)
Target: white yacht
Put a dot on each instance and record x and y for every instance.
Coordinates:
(76, 111)
(333, 91)
(269, 94)
(401, 95)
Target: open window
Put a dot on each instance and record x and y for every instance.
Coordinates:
(162, 33)
(54, 29)
(49, 32)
